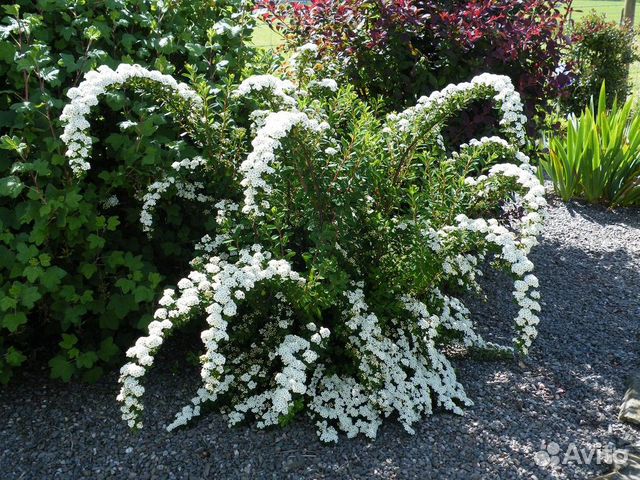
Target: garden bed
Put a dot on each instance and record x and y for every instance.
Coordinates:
(567, 391)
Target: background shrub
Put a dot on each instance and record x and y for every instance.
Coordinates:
(600, 51)
(78, 275)
(402, 49)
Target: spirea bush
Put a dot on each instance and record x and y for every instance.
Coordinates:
(331, 281)
(78, 275)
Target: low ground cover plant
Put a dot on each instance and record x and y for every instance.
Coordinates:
(330, 281)
(598, 158)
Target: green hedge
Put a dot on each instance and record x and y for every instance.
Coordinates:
(78, 276)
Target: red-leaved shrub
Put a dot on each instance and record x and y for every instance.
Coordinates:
(401, 49)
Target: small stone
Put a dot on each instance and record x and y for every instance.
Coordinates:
(630, 409)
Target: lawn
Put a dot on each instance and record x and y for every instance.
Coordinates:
(611, 8)
(264, 37)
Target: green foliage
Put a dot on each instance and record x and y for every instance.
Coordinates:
(330, 281)
(77, 274)
(600, 51)
(599, 157)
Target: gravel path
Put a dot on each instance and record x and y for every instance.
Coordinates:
(568, 391)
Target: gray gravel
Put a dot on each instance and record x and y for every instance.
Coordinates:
(568, 391)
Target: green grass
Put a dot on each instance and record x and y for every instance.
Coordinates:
(611, 8)
(264, 37)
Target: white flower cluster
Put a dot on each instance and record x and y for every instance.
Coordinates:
(328, 83)
(270, 85)
(400, 372)
(143, 355)
(186, 190)
(111, 202)
(514, 247)
(189, 164)
(86, 95)
(268, 140)
(474, 142)
(224, 207)
(302, 54)
(221, 285)
(506, 97)
(295, 353)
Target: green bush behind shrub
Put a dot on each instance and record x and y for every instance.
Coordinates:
(77, 274)
(600, 51)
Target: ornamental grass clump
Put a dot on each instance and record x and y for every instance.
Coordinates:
(598, 159)
(331, 282)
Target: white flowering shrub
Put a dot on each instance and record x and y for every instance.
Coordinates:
(332, 281)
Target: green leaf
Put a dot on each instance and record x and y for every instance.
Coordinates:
(52, 277)
(10, 186)
(92, 33)
(12, 10)
(154, 278)
(32, 272)
(49, 74)
(68, 61)
(87, 359)
(45, 259)
(68, 341)
(112, 223)
(92, 375)
(127, 41)
(73, 199)
(95, 242)
(7, 303)
(115, 259)
(12, 321)
(119, 306)
(7, 118)
(143, 294)
(61, 368)
(73, 315)
(14, 357)
(13, 143)
(29, 296)
(88, 269)
(108, 349)
(7, 52)
(126, 285)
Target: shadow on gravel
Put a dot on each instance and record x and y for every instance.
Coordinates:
(628, 217)
(571, 387)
